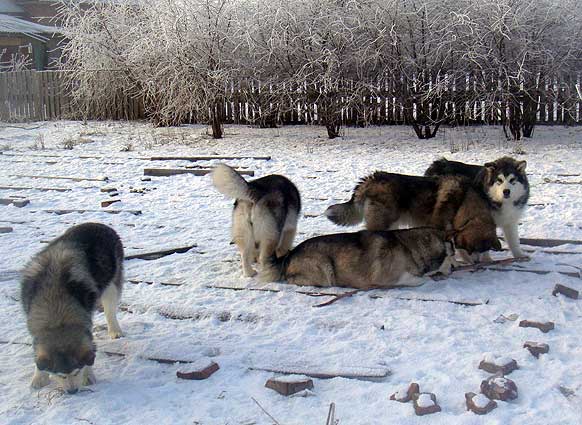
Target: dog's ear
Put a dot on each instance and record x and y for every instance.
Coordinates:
(521, 166)
(486, 173)
(496, 245)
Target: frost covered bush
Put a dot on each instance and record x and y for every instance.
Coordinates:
(441, 60)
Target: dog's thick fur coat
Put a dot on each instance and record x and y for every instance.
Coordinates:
(503, 183)
(365, 259)
(265, 214)
(387, 201)
(60, 289)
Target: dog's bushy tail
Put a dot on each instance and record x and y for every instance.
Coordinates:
(230, 183)
(347, 214)
(273, 269)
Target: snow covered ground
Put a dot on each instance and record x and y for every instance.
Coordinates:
(437, 344)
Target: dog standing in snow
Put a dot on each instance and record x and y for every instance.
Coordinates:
(503, 183)
(265, 214)
(387, 201)
(60, 288)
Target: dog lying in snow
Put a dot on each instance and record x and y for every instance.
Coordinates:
(365, 259)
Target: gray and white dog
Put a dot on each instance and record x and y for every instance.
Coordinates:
(265, 214)
(60, 288)
(503, 184)
(365, 259)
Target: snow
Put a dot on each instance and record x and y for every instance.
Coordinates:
(496, 360)
(481, 401)
(424, 401)
(432, 343)
(292, 378)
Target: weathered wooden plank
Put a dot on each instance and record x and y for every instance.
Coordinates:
(548, 243)
(165, 172)
(75, 179)
(326, 372)
(41, 189)
(81, 211)
(207, 158)
(154, 255)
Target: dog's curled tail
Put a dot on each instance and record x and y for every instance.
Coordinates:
(273, 269)
(347, 214)
(230, 183)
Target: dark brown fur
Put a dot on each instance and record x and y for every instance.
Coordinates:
(387, 201)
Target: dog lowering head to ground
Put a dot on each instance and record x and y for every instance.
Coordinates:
(265, 214)
(504, 185)
(387, 201)
(60, 288)
(365, 259)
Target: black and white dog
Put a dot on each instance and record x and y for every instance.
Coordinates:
(265, 214)
(60, 289)
(504, 184)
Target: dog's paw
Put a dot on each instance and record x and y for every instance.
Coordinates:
(115, 333)
(250, 273)
(40, 380)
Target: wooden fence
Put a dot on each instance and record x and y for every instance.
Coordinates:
(44, 95)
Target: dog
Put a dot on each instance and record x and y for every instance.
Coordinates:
(504, 185)
(365, 259)
(60, 288)
(387, 201)
(264, 217)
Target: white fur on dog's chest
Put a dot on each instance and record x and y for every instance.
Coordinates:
(507, 214)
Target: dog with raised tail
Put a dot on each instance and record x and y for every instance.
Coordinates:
(264, 217)
(503, 183)
(388, 201)
(60, 288)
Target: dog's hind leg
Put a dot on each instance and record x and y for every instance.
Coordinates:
(110, 300)
(267, 249)
(248, 255)
(39, 379)
(512, 237)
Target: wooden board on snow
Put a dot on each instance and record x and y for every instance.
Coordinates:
(336, 291)
(42, 189)
(161, 350)
(75, 179)
(206, 158)
(154, 255)
(166, 172)
(81, 211)
(362, 373)
(281, 287)
(548, 243)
